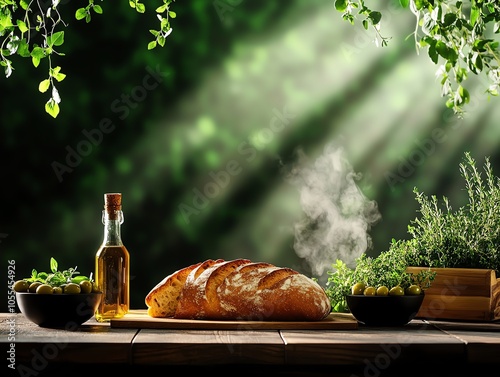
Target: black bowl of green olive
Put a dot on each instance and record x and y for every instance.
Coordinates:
(62, 299)
(384, 310)
(381, 306)
(64, 310)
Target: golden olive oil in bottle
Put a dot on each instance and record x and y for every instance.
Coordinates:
(112, 263)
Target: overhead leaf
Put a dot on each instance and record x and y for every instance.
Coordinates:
(56, 73)
(44, 85)
(140, 7)
(479, 44)
(474, 14)
(24, 4)
(442, 49)
(162, 8)
(5, 21)
(161, 41)
(341, 5)
(478, 62)
(52, 108)
(449, 19)
(38, 52)
(35, 60)
(56, 39)
(375, 17)
(433, 53)
(461, 74)
(22, 26)
(81, 13)
(464, 94)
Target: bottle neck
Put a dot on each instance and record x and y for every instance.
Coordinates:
(112, 221)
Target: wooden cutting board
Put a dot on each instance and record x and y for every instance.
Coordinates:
(139, 319)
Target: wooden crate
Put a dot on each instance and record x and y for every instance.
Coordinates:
(464, 294)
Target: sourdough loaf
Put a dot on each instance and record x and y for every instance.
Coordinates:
(238, 290)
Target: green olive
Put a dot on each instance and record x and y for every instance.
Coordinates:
(382, 291)
(34, 286)
(369, 291)
(21, 286)
(85, 286)
(95, 288)
(414, 290)
(358, 289)
(72, 288)
(44, 289)
(57, 290)
(396, 291)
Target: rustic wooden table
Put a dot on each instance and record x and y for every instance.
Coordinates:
(423, 348)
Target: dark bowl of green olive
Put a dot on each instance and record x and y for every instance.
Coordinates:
(58, 310)
(67, 306)
(389, 310)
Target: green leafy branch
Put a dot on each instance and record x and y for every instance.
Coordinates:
(164, 14)
(43, 37)
(352, 10)
(457, 37)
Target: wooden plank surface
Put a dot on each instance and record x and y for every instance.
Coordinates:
(207, 347)
(482, 339)
(413, 343)
(91, 342)
(410, 349)
(139, 319)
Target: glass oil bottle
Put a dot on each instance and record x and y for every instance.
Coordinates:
(112, 263)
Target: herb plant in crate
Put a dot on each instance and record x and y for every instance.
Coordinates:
(462, 246)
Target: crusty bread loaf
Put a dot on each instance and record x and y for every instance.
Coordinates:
(162, 299)
(238, 290)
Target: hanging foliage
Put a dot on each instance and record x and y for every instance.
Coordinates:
(34, 29)
(458, 36)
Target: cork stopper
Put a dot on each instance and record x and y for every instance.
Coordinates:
(113, 204)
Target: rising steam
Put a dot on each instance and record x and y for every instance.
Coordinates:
(337, 215)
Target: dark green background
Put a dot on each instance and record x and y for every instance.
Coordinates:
(227, 72)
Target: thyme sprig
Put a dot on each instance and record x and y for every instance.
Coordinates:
(468, 237)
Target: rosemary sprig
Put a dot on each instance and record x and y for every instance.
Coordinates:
(468, 237)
